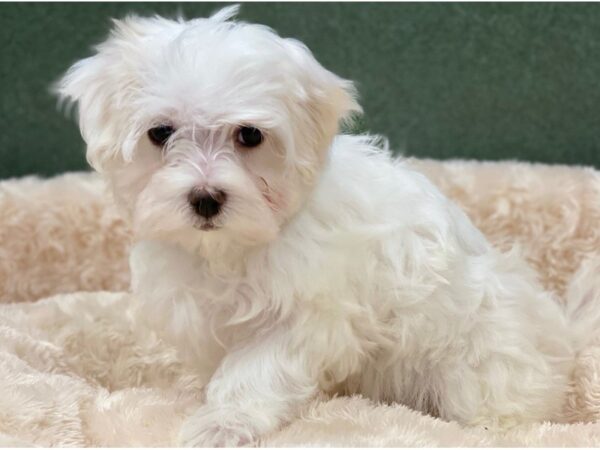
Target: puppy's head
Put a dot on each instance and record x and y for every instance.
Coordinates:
(209, 130)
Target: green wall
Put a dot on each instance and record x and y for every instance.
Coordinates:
(485, 81)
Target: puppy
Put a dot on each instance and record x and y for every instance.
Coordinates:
(283, 259)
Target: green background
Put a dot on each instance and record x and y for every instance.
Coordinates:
(484, 81)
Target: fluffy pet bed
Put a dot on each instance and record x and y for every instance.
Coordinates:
(77, 370)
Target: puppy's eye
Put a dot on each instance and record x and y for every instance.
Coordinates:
(160, 134)
(249, 137)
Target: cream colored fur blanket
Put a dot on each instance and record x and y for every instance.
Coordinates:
(76, 370)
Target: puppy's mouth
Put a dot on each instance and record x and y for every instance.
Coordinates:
(206, 226)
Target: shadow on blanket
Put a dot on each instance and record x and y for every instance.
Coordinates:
(76, 370)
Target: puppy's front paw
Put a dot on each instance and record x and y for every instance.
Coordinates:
(215, 427)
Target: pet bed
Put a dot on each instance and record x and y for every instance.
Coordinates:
(77, 370)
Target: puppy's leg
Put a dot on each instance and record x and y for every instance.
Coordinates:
(502, 391)
(257, 387)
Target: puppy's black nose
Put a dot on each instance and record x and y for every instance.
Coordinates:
(207, 204)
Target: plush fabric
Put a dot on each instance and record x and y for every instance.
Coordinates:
(60, 235)
(77, 370)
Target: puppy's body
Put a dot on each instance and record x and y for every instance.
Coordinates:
(302, 261)
(380, 286)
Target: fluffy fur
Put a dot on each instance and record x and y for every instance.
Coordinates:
(332, 267)
(79, 369)
(51, 241)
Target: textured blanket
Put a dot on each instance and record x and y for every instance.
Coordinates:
(77, 370)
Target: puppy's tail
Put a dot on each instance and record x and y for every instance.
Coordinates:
(583, 303)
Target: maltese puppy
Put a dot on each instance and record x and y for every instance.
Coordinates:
(283, 259)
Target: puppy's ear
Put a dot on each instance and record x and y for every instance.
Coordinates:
(328, 99)
(99, 87)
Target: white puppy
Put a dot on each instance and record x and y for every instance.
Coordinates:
(283, 259)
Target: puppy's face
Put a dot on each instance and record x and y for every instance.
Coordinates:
(209, 131)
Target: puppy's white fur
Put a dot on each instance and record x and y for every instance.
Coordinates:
(331, 267)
